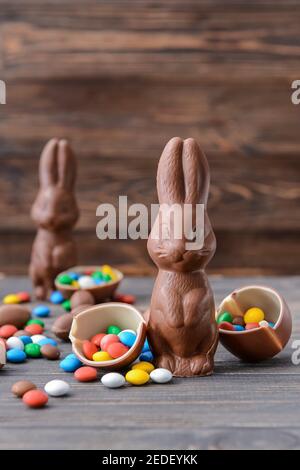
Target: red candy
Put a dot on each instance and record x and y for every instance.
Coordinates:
(117, 350)
(89, 349)
(86, 374)
(97, 339)
(34, 329)
(251, 326)
(225, 325)
(107, 340)
(35, 398)
(6, 331)
(125, 298)
(23, 296)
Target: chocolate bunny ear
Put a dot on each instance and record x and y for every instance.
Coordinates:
(170, 180)
(48, 164)
(196, 173)
(66, 165)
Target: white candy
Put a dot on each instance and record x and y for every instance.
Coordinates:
(86, 282)
(37, 338)
(57, 388)
(113, 380)
(263, 323)
(161, 376)
(14, 343)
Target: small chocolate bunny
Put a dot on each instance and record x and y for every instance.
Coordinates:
(181, 319)
(55, 212)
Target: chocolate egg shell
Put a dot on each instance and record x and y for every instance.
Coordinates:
(2, 353)
(62, 325)
(14, 315)
(259, 343)
(82, 297)
(20, 388)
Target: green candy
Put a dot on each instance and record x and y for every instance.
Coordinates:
(225, 316)
(106, 277)
(97, 275)
(32, 350)
(64, 279)
(36, 321)
(66, 305)
(113, 330)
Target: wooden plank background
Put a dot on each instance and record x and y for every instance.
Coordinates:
(119, 78)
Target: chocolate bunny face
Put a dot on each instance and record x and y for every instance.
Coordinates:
(55, 207)
(182, 178)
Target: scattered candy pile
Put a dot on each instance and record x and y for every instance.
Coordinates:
(112, 344)
(88, 279)
(253, 318)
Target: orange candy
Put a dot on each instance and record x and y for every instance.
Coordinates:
(86, 374)
(107, 340)
(251, 326)
(6, 331)
(89, 349)
(117, 350)
(97, 339)
(35, 398)
(23, 297)
(34, 329)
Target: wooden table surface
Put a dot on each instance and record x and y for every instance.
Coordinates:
(241, 406)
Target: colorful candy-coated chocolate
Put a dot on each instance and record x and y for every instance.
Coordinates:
(271, 324)
(25, 339)
(64, 279)
(34, 329)
(113, 380)
(116, 350)
(41, 311)
(36, 321)
(15, 355)
(23, 297)
(70, 363)
(56, 297)
(127, 337)
(32, 350)
(11, 299)
(125, 298)
(254, 315)
(74, 276)
(146, 346)
(225, 325)
(161, 376)
(238, 321)
(264, 323)
(57, 388)
(225, 316)
(143, 365)
(50, 352)
(147, 356)
(251, 326)
(113, 330)
(66, 305)
(101, 356)
(107, 340)
(37, 338)
(86, 282)
(14, 343)
(44, 341)
(21, 387)
(86, 374)
(6, 331)
(137, 377)
(97, 339)
(89, 349)
(239, 327)
(35, 398)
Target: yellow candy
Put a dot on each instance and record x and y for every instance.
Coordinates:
(75, 284)
(145, 366)
(106, 269)
(137, 377)
(254, 315)
(101, 356)
(11, 299)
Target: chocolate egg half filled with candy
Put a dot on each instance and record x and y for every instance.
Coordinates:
(264, 339)
(97, 319)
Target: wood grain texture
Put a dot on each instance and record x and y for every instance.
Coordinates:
(120, 78)
(241, 406)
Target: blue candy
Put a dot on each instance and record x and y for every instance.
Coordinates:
(146, 346)
(146, 356)
(56, 297)
(70, 363)
(15, 355)
(47, 341)
(25, 339)
(41, 311)
(127, 338)
(238, 327)
(271, 324)
(99, 282)
(74, 276)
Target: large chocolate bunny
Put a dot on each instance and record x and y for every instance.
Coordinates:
(181, 319)
(55, 212)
